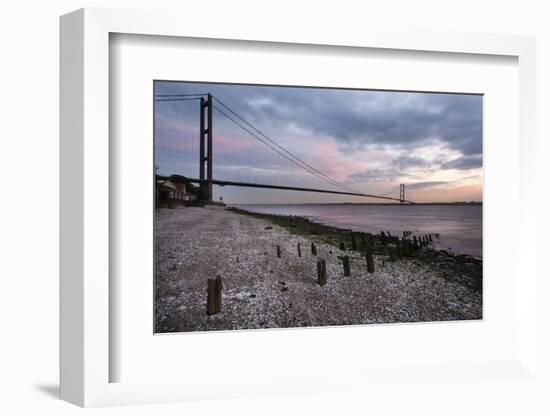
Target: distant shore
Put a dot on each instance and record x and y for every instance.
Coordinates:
(261, 290)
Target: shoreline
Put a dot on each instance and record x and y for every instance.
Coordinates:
(329, 234)
(261, 290)
(460, 226)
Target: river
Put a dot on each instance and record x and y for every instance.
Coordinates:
(459, 226)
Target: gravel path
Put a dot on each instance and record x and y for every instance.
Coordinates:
(263, 291)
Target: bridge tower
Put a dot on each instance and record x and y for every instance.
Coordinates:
(401, 194)
(205, 150)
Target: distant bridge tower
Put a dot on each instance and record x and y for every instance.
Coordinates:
(401, 194)
(206, 148)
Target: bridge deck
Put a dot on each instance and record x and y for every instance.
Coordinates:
(292, 188)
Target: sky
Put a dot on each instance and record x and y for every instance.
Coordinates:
(370, 141)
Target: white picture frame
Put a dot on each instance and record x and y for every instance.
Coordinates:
(85, 219)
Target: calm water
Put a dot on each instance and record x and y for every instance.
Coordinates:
(460, 227)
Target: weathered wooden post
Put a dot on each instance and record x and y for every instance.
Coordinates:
(214, 296)
(370, 240)
(353, 242)
(399, 249)
(363, 241)
(370, 262)
(342, 246)
(405, 247)
(278, 251)
(415, 242)
(383, 238)
(345, 261)
(430, 238)
(313, 249)
(299, 250)
(390, 254)
(322, 272)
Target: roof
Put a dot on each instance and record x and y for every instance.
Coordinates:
(167, 185)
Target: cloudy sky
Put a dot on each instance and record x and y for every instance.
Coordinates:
(370, 141)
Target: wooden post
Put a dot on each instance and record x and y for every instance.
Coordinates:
(342, 246)
(405, 247)
(347, 271)
(390, 254)
(415, 242)
(370, 262)
(383, 237)
(370, 240)
(278, 251)
(430, 238)
(353, 242)
(322, 272)
(299, 250)
(399, 249)
(313, 249)
(214, 296)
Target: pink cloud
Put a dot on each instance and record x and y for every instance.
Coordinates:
(328, 159)
(230, 145)
(175, 135)
(464, 193)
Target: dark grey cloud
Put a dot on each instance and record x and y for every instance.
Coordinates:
(390, 174)
(356, 118)
(397, 169)
(424, 185)
(464, 163)
(405, 162)
(400, 122)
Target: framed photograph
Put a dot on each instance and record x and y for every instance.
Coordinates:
(366, 209)
(285, 212)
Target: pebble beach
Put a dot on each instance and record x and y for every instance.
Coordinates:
(262, 290)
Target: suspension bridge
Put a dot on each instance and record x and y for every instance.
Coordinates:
(244, 155)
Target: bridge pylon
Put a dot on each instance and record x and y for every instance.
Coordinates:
(205, 150)
(402, 194)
